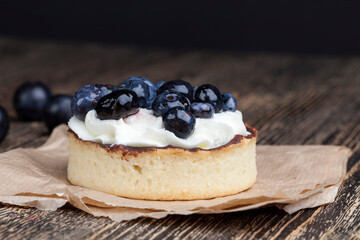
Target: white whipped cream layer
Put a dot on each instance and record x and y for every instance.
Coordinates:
(146, 130)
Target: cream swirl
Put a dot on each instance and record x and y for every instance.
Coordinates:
(145, 130)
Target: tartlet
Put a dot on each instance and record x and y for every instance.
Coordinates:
(164, 173)
(164, 141)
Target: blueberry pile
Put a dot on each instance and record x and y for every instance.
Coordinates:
(177, 102)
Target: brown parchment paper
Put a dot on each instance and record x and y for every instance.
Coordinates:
(290, 177)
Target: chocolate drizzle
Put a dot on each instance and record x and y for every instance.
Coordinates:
(128, 150)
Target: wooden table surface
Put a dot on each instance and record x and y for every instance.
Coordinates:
(290, 99)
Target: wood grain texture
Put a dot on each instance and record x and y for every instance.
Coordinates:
(290, 99)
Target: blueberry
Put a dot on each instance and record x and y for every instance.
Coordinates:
(147, 81)
(179, 121)
(140, 87)
(86, 98)
(179, 86)
(159, 84)
(209, 94)
(168, 100)
(57, 111)
(229, 102)
(202, 110)
(152, 87)
(30, 99)
(118, 104)
(4, 123)
(194, 90)
(152, 95)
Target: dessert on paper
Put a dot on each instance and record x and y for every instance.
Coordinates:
(172, 142)
(290, 177)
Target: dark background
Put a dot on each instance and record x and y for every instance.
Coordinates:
(325, 27)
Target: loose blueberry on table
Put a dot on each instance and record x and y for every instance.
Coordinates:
(4, 123)
(30, 99)
(57, 111)
(177, 102)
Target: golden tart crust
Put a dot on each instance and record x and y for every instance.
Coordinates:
(165, 173)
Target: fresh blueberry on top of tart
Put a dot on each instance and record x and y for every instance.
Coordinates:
(167, 100)
(208, 93)
(178, 86)
(140, 88)
(85, 98)
(117, 104)
(151, 88)
(202, 110)
(159, 84)
(179, 121)
(229, 102)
